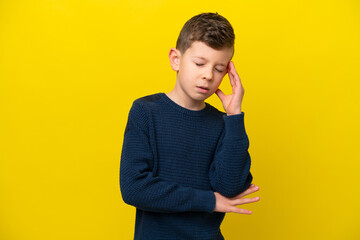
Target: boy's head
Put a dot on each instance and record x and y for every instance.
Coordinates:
(203, 51)
(210, 28)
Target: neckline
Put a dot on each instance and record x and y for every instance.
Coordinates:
(186, 111)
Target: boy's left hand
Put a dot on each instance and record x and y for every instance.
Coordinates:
(232, 102)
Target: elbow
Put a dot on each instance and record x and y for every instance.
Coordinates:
(127, 191)
(231, 193)
(243, 186)
(124, 194)
(129, 187)
(127, 195)
(233, 190)
(127, 199)
(226, 190)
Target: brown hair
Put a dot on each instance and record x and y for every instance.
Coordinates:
(211, 28)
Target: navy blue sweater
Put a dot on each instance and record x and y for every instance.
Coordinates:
(173, 160)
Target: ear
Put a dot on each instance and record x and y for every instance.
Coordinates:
(174, 57)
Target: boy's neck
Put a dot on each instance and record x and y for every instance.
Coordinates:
(183, 100)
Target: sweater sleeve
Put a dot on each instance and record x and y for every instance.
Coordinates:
(230, 170)
(139, 187)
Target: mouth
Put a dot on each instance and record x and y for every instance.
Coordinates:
(202, 89)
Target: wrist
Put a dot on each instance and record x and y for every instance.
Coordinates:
(236, 113)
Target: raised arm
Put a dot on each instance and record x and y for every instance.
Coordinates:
(140, 188)
(230, 170)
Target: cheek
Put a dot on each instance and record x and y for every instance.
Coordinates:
(218, 82)
(190, 70)
(220, 79)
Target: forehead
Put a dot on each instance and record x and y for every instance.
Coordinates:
(199, 50)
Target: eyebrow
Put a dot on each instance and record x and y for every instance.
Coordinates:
(221, 64)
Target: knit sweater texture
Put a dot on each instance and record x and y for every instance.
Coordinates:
(173, 160)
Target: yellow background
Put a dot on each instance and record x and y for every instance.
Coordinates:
(70, 71)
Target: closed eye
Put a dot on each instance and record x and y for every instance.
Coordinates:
(199, 64)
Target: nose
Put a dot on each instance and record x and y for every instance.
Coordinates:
(208, 74)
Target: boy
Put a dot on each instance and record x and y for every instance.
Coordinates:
(184, 164)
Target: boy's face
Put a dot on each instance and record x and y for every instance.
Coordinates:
(201, 70)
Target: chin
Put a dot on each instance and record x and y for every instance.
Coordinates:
(196, 96)
(202, 97)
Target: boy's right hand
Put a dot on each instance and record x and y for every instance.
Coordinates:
(224, 204)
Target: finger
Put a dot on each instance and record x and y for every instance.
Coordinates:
(240, 210)
(235, 79)
(220, 94)
(248, 191)
(234, 69)
(242, 201)
(235, 74)
(231, 74)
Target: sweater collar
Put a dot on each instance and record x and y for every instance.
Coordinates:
(183, 110)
